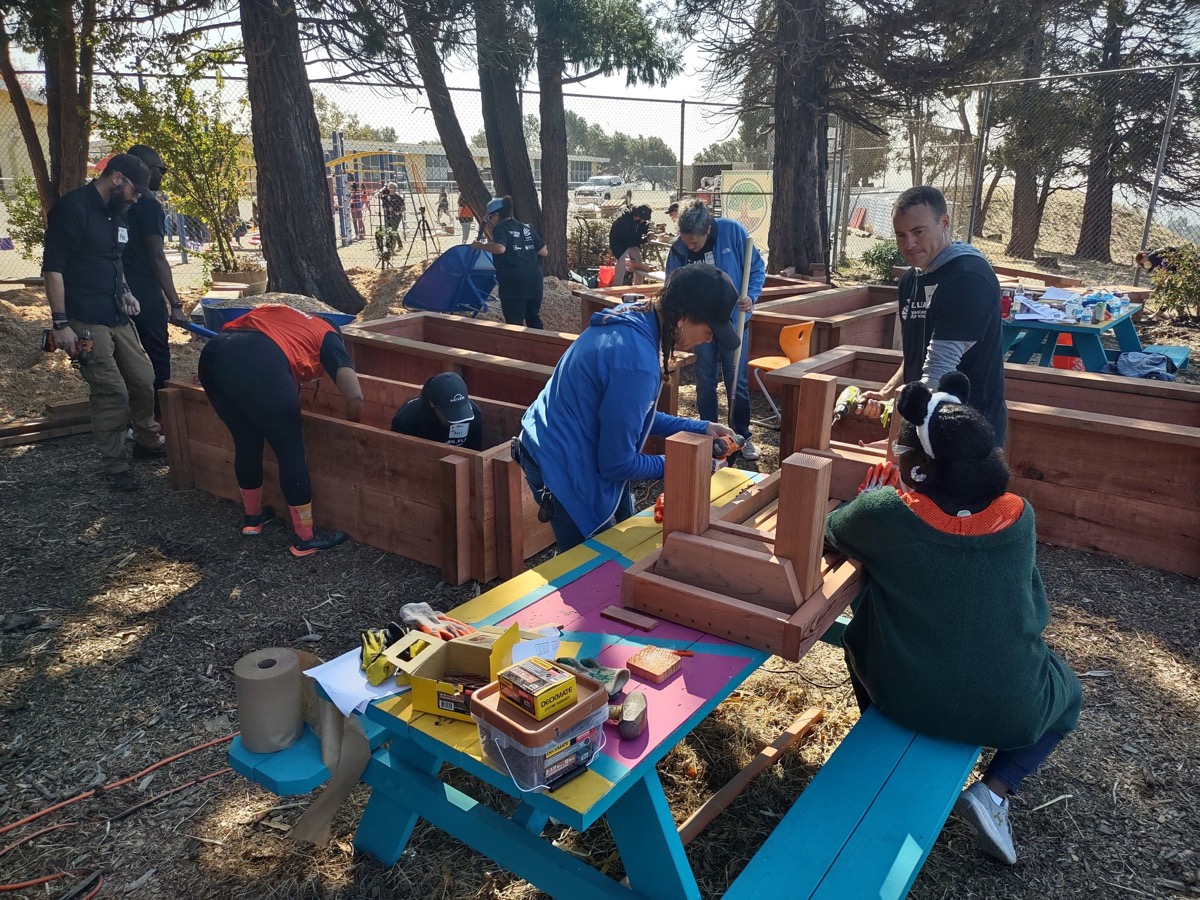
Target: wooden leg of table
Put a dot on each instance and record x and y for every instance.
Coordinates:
(532, 820)
(1091, 351)
(649, 844)
(386, 826)
(1126, 334)
(1023, 350)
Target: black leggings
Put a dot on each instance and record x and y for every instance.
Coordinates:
(248, 381)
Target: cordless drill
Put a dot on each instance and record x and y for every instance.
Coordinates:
(726, 447)
(851, 399)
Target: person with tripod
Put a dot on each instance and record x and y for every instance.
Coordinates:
(516, 253)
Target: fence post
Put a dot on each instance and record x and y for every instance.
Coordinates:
(1158, 169)
(980, 150)
(682, 118)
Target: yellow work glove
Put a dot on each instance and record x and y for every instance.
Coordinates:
(377, 666)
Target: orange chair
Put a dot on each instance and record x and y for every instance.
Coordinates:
(794, 341)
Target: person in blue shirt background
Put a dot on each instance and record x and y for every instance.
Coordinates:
(705, 238)
(581, 440)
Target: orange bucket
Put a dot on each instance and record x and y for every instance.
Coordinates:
(1073, 363)
(605, 278)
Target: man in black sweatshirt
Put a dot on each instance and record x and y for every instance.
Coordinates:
(949, 310)
(625, 240)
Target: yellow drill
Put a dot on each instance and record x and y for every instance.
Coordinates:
(851, 399)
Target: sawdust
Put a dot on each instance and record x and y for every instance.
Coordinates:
(384, 289)
(20, 339)
(23, 297)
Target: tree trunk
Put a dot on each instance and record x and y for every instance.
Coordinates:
(295, 215)
(1025, 220)
(458, 151)
(799, 233)
(29, 134)
(1095, 231)
(1024, 212)
(503, 122)
(68, 99)
(550, 62)
(987, 201)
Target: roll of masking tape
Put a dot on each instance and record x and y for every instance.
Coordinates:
(268, 686)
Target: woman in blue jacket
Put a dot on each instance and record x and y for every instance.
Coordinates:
(705, 238)
(581, 440)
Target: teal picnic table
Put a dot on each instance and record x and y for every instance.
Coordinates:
(1025, 337)
(621, 785)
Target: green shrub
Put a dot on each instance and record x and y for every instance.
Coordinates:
(587, 244)
(1178, 292)
(25, 224)
(880, 258)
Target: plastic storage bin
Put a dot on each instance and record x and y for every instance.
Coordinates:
(540, 756)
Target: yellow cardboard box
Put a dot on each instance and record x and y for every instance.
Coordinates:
(483, 654)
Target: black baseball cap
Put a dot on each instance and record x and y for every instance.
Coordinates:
(704, 292)
(447, 393)
(133, 169)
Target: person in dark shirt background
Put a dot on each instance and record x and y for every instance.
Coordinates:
(148, 273)
(86, 290)
(444, 413)
(516, 252)
(629, 231)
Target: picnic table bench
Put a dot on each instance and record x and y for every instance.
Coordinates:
(863, 827)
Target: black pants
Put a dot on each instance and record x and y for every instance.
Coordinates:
(522, 311)
(249, 384)
(151, 324)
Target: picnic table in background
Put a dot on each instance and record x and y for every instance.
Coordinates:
(1025, 337)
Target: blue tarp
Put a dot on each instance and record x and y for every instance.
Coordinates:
(459, 280)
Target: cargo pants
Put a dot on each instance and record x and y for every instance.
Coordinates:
(120, 381)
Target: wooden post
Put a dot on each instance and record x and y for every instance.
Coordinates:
(179, 453)
(803, 496)
(814, 417)
(510, 528)
(455, 478)
(686, 484)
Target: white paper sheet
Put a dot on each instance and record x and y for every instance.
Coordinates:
(1057, 293)
(546, 648)
(347, 685)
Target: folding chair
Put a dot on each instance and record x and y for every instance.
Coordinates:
(794, 341)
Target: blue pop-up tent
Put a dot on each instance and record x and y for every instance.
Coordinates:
(459, 280)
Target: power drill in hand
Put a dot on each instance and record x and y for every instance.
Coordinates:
(851, 400)
(727, 447)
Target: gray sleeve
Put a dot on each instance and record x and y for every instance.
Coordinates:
(942, 357)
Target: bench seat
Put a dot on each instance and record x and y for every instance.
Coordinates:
(297, 769)
(1176, 353)
(866, 822)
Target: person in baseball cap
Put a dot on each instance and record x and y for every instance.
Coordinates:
(705, 293)
(444, 413)
(132, 169)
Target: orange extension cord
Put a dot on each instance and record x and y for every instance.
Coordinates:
(33, 882)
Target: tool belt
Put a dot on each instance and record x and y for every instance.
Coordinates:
(546, 506)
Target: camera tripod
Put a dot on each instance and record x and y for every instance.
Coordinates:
(425, 233)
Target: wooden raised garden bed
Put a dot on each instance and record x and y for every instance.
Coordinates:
(1107, 462)
(863, 315)
(468, 512)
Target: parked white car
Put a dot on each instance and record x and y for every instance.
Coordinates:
(598, 188)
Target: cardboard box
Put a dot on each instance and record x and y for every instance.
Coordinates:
(538, 687)
(482, 654)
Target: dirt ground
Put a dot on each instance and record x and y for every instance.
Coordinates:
(121, 617)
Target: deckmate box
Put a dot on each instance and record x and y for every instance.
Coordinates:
(538, 687)
(541, 756)
(480, 655)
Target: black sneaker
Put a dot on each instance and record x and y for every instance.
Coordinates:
(253, 525)
(159, 452)
(122, 481)
(321, 540)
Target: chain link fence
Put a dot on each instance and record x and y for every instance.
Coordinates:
(1077, 171)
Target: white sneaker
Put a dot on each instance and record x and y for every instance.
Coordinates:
(989, 821)
(750, 452)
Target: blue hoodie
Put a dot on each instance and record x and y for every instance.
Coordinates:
(728, 254)
(586, 428)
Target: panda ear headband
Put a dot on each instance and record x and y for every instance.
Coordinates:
(918, 405)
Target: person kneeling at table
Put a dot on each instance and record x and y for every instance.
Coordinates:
(581, 440)
(252, 372)
(946, 637)
(443, 413)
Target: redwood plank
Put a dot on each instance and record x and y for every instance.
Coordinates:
(803, 493)
(686, 483)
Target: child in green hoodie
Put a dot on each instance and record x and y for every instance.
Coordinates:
(946, 637)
